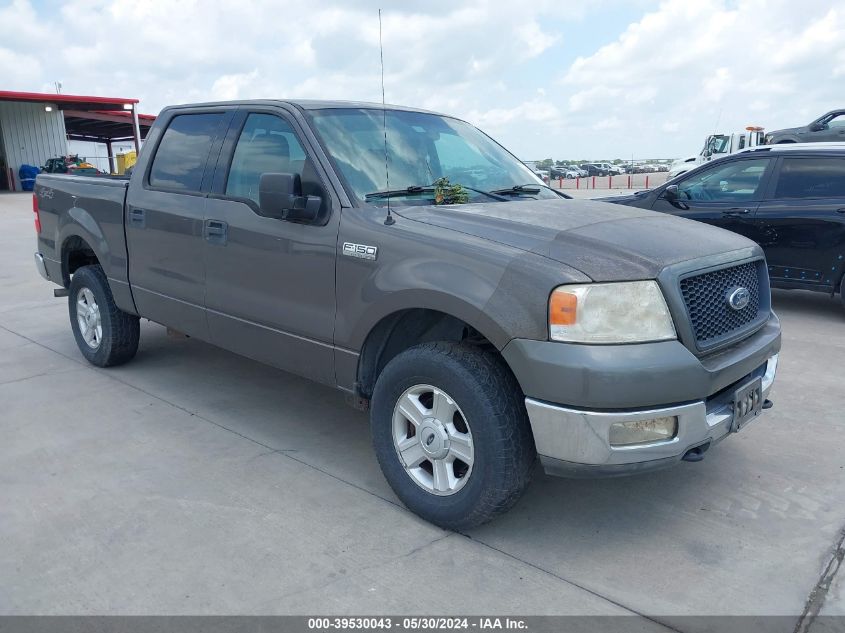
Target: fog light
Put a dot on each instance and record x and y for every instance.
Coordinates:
(643, 431)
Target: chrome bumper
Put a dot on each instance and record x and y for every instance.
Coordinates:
(574, 442)
(41, 267)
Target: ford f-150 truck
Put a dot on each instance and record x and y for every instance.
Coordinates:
(408, 259)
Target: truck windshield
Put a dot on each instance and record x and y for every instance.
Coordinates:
(422, 148)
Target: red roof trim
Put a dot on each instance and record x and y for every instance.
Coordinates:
(11, 95)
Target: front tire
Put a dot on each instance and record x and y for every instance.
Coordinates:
(451, 433)
(105, 334)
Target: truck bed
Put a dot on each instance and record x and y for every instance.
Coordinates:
(88, 208)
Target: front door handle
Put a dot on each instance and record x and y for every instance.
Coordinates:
(216, 231)
(842, 210)
(735, 213)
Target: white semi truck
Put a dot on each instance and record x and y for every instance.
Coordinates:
(716, 145)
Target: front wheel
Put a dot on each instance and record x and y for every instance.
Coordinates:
(451, 433)
(105, 334)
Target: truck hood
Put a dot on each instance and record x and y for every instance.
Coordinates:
(606, 242)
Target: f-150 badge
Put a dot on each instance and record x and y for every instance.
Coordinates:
(361, 251)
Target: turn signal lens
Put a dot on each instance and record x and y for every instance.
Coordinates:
(563, 308)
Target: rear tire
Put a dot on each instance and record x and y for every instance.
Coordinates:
(484, 431)
(105, 334)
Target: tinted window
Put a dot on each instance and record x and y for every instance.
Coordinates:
(811, 178)
(733, 181)
(180, 159)
(267, 144)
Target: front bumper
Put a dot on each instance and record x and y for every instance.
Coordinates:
(575, 442)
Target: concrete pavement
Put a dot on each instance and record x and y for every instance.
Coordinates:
(194, 481)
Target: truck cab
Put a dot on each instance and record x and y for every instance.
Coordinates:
(718, 145)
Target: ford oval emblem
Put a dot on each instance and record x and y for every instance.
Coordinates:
(739, 298)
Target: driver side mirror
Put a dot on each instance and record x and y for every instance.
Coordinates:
(817, 126)
(280, 197)
(671, 193)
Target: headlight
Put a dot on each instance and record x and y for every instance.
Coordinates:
(627, 312)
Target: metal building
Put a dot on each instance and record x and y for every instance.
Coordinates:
(35, 127)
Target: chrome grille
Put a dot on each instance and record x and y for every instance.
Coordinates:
(706, 298)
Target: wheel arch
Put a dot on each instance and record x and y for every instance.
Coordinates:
(75, 252)
(404, 328)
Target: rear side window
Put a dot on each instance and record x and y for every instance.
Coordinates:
(811, 178)
(267, 144)
(180, 159)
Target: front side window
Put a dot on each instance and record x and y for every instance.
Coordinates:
(734, 181)
(180, 159)
(837, 122)
(811, 178)
(267, 144)
(421, 149)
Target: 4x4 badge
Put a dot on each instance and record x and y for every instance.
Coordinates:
(361, 251)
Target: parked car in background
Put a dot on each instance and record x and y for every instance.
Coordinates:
(827, 128)
(601, 169)
(560, 171)
(790, 199)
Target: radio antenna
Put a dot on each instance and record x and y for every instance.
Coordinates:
(389, 219)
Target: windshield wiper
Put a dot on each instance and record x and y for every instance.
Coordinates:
(418, 189)
(518, 190)
(389, 193)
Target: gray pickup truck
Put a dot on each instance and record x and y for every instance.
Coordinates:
(409, 260)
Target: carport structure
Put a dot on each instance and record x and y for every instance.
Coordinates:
(36, 126)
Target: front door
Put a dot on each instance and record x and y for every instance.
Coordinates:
(725, 194)
(802, 226)
(270, 285)
(164, 219)
(832, 129)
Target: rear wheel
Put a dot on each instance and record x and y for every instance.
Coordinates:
(105, 334)
(451, 433)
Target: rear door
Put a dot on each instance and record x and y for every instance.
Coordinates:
(725, 194)
(802, 222)
(164, 222)
(271, 283)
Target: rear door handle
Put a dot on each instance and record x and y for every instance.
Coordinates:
(842, 210)
(137, 217)
(216, 231)
(732, 213)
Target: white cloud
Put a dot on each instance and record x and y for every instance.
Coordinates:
(771, 63)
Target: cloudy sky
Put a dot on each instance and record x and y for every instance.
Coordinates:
(588, 79)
